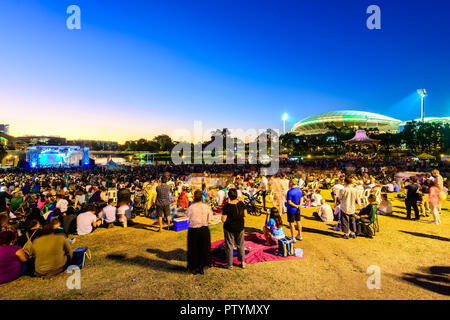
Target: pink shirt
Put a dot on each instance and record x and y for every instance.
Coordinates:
(434, 196)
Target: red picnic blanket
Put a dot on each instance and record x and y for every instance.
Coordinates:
(255, 243)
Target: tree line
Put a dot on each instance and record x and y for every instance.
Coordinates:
(417, 137)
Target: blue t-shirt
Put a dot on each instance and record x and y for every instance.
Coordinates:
(276, 232)
(295, 195)
(396, 188)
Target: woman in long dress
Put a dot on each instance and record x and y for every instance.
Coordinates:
(199, 236)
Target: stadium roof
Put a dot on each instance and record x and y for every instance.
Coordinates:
(319, 123)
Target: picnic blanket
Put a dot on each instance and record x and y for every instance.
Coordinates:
(258, 251)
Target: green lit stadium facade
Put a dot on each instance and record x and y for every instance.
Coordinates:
(321, 123)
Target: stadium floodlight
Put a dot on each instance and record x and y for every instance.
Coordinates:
(285, 116)
(423, 93)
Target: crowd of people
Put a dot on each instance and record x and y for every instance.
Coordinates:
(43, 211)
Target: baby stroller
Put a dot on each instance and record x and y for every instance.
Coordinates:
(139, 202)
(250, 204)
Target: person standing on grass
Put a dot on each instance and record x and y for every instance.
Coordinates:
(438, 182)
(435, 201)
(264, 188)
(163, 196)
(411, 198)
(199, 236)
(294, 199)
(233, 215)
(348, 197)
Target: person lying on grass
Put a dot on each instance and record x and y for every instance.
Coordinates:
(273, 230)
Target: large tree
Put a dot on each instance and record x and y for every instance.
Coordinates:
(165, 142)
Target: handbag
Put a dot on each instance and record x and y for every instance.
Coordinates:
(28, 244)
(442, 196)
(79, 256)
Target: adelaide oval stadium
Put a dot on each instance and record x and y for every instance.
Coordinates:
(321, 123)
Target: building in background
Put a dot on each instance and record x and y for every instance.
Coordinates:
(4, 128)
(95, 144)
(41, 140)
(323, 122)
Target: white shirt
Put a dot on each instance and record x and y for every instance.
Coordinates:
(124, 212)
(326, 213)
(62, 205)
(108, 214)
(348, 196)
(316, 199)
(84, 222)
(386, 208)
(264, 184)
(390, 187)
(199, 215)
(336, 188)
(285, 185)
(220, 197)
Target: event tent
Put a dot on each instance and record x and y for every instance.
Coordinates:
(425, 156)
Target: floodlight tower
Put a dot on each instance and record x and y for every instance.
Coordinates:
(284, 122)
(423, 93)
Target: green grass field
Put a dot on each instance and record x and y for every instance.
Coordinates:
(139, 263)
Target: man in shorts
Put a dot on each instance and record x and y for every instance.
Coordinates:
(163, 196)
(294, 199)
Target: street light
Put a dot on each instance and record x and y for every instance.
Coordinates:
(284, 122)
(423, 93)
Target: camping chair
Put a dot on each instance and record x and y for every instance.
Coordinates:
(359, 198)
(373, 225)
(378, 194)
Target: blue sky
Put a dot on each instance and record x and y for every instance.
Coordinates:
(138, 68)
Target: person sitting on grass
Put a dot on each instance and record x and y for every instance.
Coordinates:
(325, 213)
(316, 198)
(108, 214)
(337, 216)
(385, 207)
(87, 221)
(183, 200)
(124, 214)
(52, 252)
(273, 230)
(12, 258)
(365, 215)
(4, 219)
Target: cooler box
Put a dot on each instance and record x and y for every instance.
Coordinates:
(286, 247)
(180, 224)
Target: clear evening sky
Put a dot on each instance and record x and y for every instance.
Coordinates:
(140, 68)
